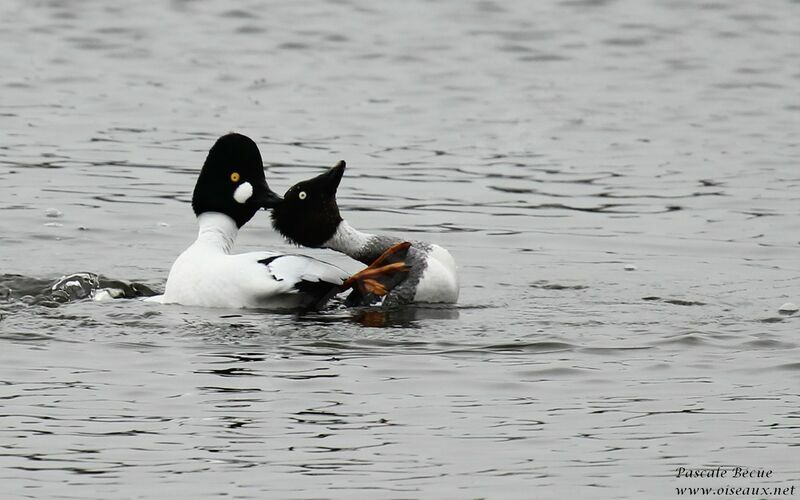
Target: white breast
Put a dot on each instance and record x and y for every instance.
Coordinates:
(439, 282)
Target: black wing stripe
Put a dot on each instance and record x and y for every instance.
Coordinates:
(315, 293)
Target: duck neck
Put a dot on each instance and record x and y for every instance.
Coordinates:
(217, 231)
(364, 247)
(350, 241)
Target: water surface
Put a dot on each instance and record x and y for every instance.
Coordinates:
(549, 145)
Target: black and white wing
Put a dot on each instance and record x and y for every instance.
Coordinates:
(316, 281)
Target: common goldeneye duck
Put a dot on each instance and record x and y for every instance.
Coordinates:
(230, 190)
(309, 216)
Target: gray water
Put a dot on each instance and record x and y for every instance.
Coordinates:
(618, 181)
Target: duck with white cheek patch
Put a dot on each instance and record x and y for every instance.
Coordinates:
(230, 190)
(309, 216)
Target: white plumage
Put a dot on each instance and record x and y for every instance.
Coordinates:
(294, 268)
(436, 269)
(207, 274)
(439, 281)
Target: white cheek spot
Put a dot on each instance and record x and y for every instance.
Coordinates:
(243, 192)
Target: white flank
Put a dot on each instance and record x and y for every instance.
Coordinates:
(207, 274)
(439, 282)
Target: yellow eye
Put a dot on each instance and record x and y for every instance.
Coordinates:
(302, 195)
(235, 177)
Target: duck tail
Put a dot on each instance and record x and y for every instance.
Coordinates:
(380, 277)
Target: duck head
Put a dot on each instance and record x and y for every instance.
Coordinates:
(232, 181)
(308, 215)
